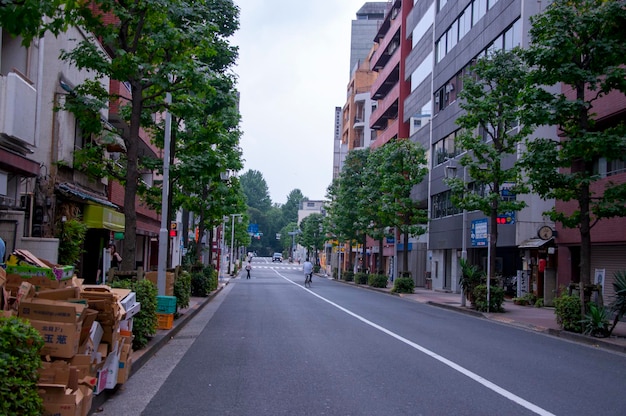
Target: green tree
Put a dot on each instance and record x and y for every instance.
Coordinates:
(268, 217)
(208, 147)
(401, 165)
(345, 220)
(494, 124)
(313, 234)
(291, 207)
(154, 48)
(371, 212)
(256, 190)
(580, 44)
(31, 18)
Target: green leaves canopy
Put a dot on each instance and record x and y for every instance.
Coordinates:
(582, 45)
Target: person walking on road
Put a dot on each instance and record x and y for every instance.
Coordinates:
(248, 268)
(307, 268)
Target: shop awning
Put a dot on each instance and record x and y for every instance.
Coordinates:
(534, 243)
(98, 216)
(82, 195)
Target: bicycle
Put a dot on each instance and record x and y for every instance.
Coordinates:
(308, 278)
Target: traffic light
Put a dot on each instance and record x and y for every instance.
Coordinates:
(173, 229)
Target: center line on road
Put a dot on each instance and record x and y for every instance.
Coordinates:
(492, 386)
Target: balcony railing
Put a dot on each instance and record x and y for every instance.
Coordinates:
(392, 35)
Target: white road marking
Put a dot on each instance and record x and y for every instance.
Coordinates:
(492, 386)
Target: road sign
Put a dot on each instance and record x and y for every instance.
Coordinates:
(506, 218)
(478, 232)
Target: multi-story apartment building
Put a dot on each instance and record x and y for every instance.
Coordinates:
(402, 110)
(352, 122)
(423, 50)
(463, 31)
(608, 237)
(357, 111)
(40, 188)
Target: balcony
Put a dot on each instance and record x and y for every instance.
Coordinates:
(387, 45)
(387, 78)
(386, 135)
(18, 103)
(387, 108)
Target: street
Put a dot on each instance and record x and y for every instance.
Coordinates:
(268, 346)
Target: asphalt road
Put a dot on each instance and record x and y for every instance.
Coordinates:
(268, 346)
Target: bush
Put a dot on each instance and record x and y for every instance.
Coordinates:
(596, 321)
(199, 284)
(182, 289)
(360, 278)
(20, 345)
(316, 268)
(471, 276)
(377, 280)
(403, 285)
(567, 310)
(71, 235)
(496, 298)
(145, 322)
(348, 276)
(203, 281)
(211, 274)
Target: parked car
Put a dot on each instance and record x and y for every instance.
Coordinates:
(277, 257)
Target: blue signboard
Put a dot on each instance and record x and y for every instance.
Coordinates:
(478, 232)
(253, 228)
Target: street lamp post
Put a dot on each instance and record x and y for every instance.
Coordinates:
(232, 240)
(163, 232)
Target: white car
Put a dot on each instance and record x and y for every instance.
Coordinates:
(277, 257)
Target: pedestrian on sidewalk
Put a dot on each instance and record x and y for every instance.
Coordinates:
(248, 268)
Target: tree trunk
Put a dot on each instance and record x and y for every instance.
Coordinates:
(405, 256)
(380, 257)
(132, 175)
(584, 200)
(585, 245)
(364, 254)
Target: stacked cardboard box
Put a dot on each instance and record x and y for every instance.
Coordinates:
(169, 281)
(87, 332)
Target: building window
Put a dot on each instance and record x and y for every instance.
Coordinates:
(479, 9)
(422, 72)
(418, 121)
(445, 149)
(605, 167)
(424, 24)
(442, 206)
(475, 11)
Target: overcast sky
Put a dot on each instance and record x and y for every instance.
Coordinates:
(293, 70)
